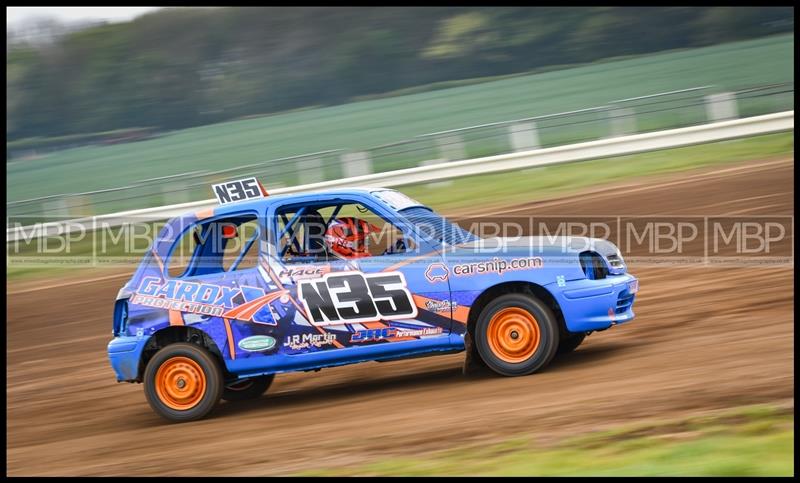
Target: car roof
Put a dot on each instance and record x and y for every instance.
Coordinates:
(261, 202)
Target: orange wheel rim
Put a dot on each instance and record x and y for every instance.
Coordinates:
(180, 383)
(513, 334)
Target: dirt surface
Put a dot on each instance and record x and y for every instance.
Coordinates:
(705, 337)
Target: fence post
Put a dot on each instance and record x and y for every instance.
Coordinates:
(721, 107)
(524, 136)
(623, 121)
(56, 208)
(451, 147)
(174, 193)
(309, 170)
(80, 205)
(356, 164)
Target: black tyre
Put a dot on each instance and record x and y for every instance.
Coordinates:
(183, 382)
(516, 334)
(248, 388)
(570, 343)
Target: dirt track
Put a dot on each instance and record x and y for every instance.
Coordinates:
(704, 338)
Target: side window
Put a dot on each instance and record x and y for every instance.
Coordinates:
(241, 248)
(383, 237)
(337, 231)
(182, 254)
(304, 239)
(219, 245)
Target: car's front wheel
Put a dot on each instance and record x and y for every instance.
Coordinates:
(183, 382)
(247, 388)
(516, 334)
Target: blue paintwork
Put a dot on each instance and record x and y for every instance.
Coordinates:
(585, 303)
(313, 360)
(125, 353)
(433, 274)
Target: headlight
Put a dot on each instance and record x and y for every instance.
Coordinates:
(616, 264)
(120, 316)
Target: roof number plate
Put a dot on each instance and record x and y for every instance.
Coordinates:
(239, 190)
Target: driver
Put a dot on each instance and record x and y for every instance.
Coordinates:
(347, 237)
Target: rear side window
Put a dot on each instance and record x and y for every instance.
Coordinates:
(216, 246)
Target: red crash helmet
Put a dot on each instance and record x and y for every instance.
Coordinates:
(347, 237)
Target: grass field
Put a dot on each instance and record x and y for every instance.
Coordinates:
(459, 197)
(371, 123)
(750, 441)
(464, 194)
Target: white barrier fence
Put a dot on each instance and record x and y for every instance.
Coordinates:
(622, 117)
(617, 146)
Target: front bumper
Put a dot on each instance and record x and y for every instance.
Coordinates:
(596, 304)
(125, 353)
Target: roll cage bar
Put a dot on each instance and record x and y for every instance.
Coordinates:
(289, 226)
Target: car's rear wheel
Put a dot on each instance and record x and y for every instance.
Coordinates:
(183, 382)
(516, 334)
(247, 388)
(570, 343)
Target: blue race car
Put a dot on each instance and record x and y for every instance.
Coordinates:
(227, 297)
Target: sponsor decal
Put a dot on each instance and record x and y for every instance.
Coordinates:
(437, 272)
(305, 272)
(497, 265)
(169, 304)
(304, 341)
(191, 297)
(389, 333)
(440, 305)
(257, 343)
(396, 199)
(561, 281)
(351, 297)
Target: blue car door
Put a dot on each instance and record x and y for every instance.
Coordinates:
(387, 301)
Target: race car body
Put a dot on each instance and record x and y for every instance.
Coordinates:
(257, 287)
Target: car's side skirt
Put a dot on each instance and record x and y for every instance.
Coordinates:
(279, 363)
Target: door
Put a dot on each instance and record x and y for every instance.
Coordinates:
(378, 294)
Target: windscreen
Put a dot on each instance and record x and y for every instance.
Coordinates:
(435, 226)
